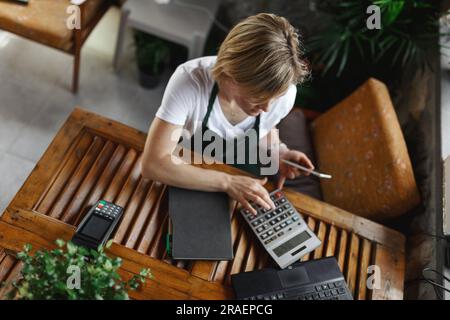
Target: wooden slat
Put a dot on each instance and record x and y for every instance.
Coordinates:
(130, 210)
(82, 193)
(363, 264)
(158, 244)
(252, 258)
(143, 210)
(155, 217)
(12, 276)
(121, 175)
(331, 242)
(6, 267)
(75, 180)
(352, 263)
(321, 233)
(63, 175)
(2, 254)
(202, 269)
(128, 188)
(96, 193)
(312, 225)
(342, 249)
(237, 264)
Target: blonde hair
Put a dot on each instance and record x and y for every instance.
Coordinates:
(262, 54)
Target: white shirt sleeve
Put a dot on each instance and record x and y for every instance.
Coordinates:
(179, 98)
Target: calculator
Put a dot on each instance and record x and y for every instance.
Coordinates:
(282, 231)
(98, 224)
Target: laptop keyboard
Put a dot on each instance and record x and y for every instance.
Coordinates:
(333, 290)
(273, 223)
(326, 291)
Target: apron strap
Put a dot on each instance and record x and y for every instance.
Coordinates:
(212, 98)
(256, 126)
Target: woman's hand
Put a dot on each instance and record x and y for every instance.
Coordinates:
(287, 171)
(245, 189)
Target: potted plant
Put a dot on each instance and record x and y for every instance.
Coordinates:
(345, 52)
(70, 272)
(152, 55)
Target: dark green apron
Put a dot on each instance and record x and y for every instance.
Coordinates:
(250, 146)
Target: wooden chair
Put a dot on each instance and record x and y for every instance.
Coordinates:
(360, 143)
(44, 21)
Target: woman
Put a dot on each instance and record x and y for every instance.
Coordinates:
(250, 85)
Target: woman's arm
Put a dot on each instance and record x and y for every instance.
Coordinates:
(158, 164)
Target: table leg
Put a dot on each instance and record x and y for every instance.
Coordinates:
(120, 38)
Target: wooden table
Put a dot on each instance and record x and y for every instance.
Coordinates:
(94, 158)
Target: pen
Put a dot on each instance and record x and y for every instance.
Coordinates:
(315, 173)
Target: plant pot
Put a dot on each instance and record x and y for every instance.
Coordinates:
(149, 80)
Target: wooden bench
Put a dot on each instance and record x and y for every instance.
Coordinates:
(94, 158)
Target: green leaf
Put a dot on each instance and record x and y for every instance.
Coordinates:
(109, 243)
(108, 265)
(344, 58)
(71, 248)
(60, 243)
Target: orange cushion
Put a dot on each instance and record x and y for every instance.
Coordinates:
(43, 21)
(360, 142)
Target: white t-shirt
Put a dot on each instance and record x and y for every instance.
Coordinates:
(186, 98)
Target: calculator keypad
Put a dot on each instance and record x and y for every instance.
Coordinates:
(271, 224)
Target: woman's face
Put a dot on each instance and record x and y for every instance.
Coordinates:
(251, 106)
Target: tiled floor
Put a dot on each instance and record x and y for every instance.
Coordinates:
(35, 98)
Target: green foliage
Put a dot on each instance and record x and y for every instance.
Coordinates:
(152, 53)
(45, 274)
(409, 29)
(344, 52)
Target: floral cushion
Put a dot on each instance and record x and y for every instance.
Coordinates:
(43, 21)
(360, 142)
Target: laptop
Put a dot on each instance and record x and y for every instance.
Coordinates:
(311, 280)
(201, 225)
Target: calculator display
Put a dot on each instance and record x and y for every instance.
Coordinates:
(291, 243)
(95, 227)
